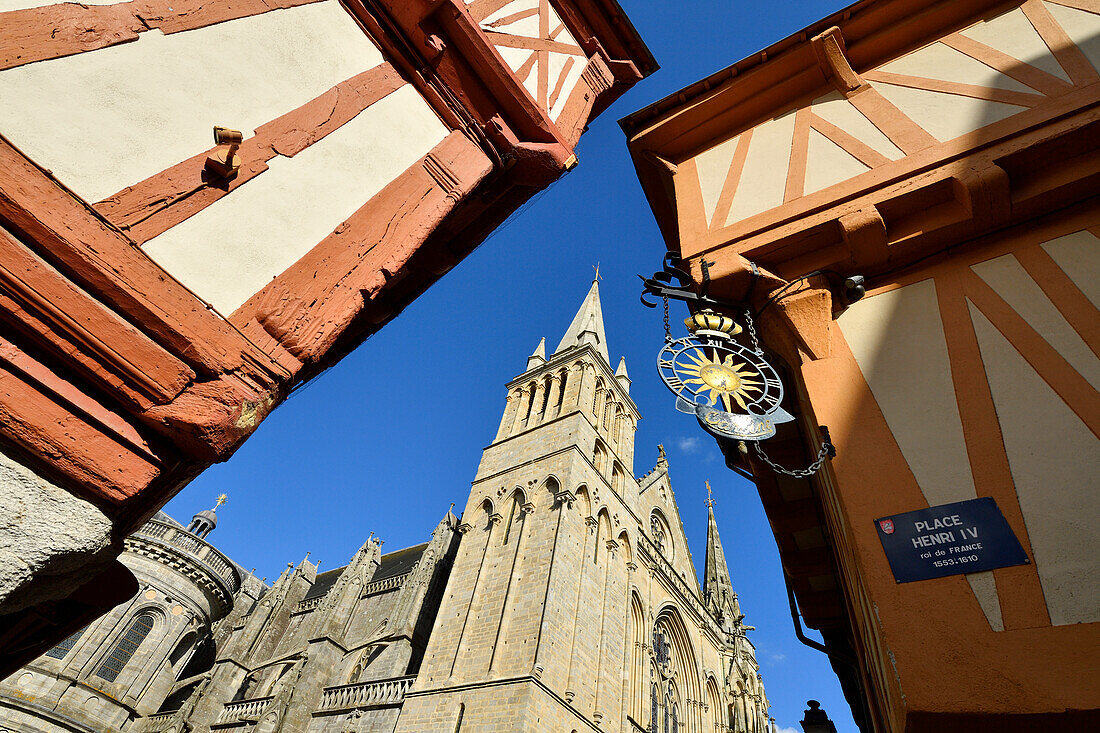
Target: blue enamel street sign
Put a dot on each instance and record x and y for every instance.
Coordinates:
(964, 537)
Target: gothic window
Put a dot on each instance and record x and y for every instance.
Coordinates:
(511, 519)
(675, 718)
(660, 647)
(596, 399)
(124, 650)
(65, 645)
(530, 404)
(657, 529)
(562, 378)
(545, 394)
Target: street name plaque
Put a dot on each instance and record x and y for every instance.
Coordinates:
(950, 539)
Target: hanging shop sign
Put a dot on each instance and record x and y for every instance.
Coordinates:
(730, 387)
(951, 539)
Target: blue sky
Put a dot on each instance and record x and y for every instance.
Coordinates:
(388, 438)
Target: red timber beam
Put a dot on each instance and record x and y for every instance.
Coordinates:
(120, 384)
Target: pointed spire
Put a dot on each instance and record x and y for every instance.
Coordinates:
(539, 357)
(621, 376)
(717, 588)
(587, 325)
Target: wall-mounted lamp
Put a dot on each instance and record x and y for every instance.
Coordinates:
(854, 289)
(224, 162)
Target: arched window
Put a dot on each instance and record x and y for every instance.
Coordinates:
(127, 645)
(516, 499)
(545, 394)
(597, 398)
(530, 404)
(65, 645)
(563, 378)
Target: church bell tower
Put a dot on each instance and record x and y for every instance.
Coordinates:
(531, 626)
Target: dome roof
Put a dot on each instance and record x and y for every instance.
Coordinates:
(209, 516)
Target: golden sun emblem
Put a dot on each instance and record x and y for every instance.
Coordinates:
(720, 379)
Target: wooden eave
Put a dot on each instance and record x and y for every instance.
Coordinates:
(775, 79)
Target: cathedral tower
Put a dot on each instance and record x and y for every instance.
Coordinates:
(546, 622)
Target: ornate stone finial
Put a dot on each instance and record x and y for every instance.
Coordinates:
(710, 497)
(661, 457)
(221, 500)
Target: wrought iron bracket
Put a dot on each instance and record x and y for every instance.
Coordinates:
(661, 284)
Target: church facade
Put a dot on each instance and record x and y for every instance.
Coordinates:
(565, 598)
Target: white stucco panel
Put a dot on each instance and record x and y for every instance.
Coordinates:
(1009, 279)
(828, 163)
(764, 177)
(712, 167)
(1082, 27)
(231, 249)
(1014, 34)
(1078, 255)
(938, 61)
(109, 118)
(839, 111)
(1054, 459)
(898, 341)
(945, 116)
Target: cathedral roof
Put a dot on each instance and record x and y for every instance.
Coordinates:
(393, 564)
(324, 582)
(587, 325)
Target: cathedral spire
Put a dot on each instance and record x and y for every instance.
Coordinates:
(587, 325)
(538, 358)
(717, 588)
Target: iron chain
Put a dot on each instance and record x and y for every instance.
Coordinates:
(810, 470)
(668, 329)
(752, 333)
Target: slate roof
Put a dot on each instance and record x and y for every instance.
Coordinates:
(393, 564)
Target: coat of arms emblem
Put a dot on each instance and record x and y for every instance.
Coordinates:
(887, 525)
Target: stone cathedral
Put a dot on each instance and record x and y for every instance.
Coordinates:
(564, 599)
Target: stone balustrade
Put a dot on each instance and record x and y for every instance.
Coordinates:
(242, 710)
(197, 549)
(159, 722)
(366, 694)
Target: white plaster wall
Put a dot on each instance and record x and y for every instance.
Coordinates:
(528, 27)
(1078, 255)
(1081, 26)
(1009, 279)
(231, 249)
(945, 116)
(1014, 34)
(938, 61)
(839, 111)
(827, 163)
(106, 119)
(898, 341)
(1054, 459)
(713, 166)
(764, 177)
